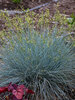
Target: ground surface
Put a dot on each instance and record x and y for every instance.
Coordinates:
(67, 6)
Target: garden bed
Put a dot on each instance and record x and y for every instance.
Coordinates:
(66, 7)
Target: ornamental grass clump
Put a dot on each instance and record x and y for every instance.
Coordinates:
(43, 62)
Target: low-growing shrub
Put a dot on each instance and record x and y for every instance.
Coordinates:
(16, 1)
(38, 21)
(41, 61)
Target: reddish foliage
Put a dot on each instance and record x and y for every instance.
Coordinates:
(16, 90)
(3, 89)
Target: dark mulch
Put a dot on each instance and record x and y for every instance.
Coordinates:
(9, 5)
(65, 6)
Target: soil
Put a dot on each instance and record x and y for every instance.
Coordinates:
(9, 5)
(65, 6)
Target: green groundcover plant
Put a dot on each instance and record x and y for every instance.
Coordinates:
(37, 21)
(43, 62)
(16, 1)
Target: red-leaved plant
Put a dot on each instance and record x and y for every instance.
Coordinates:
(17, 91)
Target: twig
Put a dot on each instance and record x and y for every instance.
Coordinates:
(11, 12)
(72, 33)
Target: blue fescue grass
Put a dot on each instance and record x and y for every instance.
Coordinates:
(40, 61)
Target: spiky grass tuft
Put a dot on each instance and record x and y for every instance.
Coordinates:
(40, 61)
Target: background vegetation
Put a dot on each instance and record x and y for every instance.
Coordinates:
(39, 22)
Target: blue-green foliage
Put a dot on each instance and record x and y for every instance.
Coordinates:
(41, 61)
